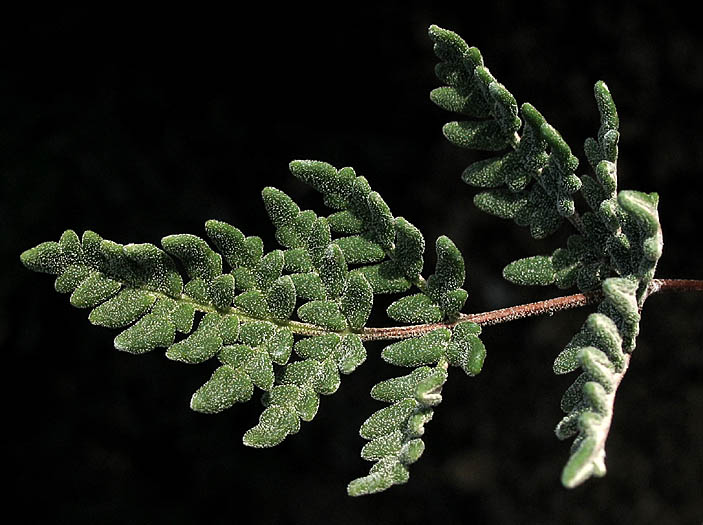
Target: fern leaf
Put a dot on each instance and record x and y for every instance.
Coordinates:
(296, 397)
(226, 387)
(345, 222)
(358, 249)
(417, 308)
(123, 309)
(616, 247)
(250, 315)
(526, 163)
(482, 135)
(386, 277)
(603, 346)
(589, 403)
(534, 181)
(394, 243)
(536, 270)
(333, 271)
(426, 349)
(357, 300)
(409, 248)
(349, 354)
(281, 297)
(394, 432)
(199, 260)
(150, 332)
(394, 435)
(466, 350)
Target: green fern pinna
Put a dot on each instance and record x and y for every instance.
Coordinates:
(291, 321)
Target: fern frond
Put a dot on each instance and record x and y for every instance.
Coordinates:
(244, 318)
(395, 432)
(290, 321)
(603, 346)
(616, 247)
(533, 181)
(598, 350)
(296, 394)
(140, 285)
(326, 275)
(389, 249)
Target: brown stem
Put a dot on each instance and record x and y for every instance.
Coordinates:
(513, 313)
(676, 285)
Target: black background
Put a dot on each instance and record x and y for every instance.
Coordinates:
(139, 124)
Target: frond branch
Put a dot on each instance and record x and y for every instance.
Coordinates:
(513, 313)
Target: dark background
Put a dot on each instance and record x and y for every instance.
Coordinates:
(140, 124)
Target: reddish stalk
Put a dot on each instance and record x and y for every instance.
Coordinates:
(522, 311)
